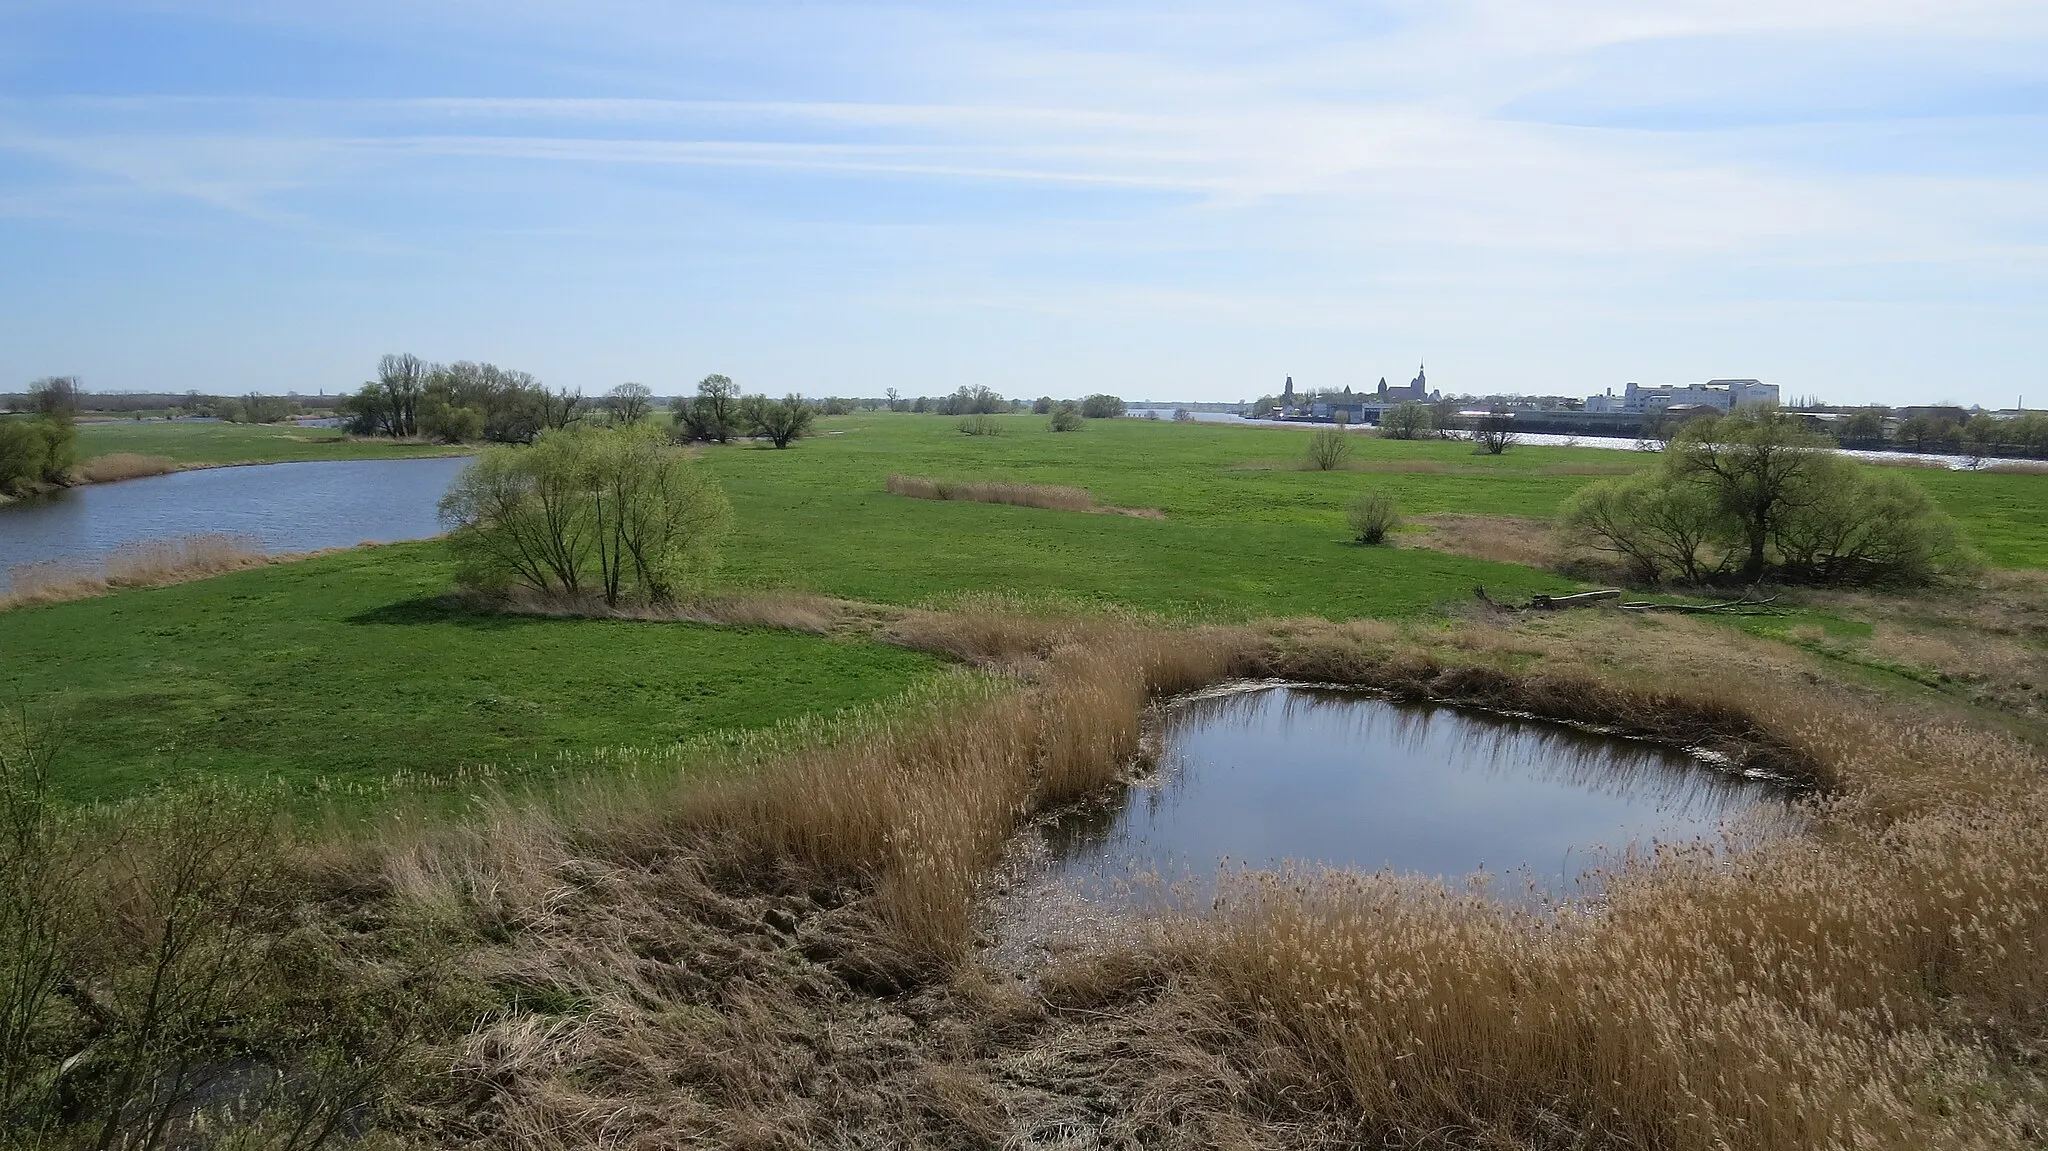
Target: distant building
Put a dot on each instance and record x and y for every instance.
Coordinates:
(1417, 390)
(1720, 395)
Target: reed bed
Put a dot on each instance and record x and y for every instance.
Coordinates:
(1052, 496)
(148, 563)
(123, 466)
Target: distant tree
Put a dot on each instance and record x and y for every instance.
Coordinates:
(1925, 433)
(1864, 428)
(1066, 417)
(1494, 433)
(921, 404)
(1183, 416)
(1984, 434)
(1102, 407)
(2029, 432)
(980, 425)
(402, 381)
(712, 414)
(781, 422)
(1327, 448)
(895, 400)
(1443, 418)
(835, 406)
(629, 403)
(1405, 421)
(1042, 406)
(558, 409)
(451, 424)
(1264, 408)
(1371, 516)
(55, 396)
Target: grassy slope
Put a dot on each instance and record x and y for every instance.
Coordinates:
(343, 671)
(191, 442)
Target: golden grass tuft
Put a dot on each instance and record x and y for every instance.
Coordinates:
(1051, 496)
(123, 466)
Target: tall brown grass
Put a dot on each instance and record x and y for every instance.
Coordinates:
(147, 563)
(123, 466)
(1051, 496)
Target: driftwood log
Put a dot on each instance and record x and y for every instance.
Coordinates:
(1742, 606)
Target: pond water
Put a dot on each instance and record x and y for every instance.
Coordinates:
(1256, 776)
(287, 507)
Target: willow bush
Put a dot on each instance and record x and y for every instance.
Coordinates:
(1753, 494)
(621, 513)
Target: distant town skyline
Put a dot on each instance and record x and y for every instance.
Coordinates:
(1161, 200)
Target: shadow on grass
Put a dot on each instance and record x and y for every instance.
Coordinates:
(443, 609)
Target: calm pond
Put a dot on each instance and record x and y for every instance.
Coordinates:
(288, 507)
(1263, 774)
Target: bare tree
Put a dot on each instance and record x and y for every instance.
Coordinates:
(629, 403)
(401, 381)
(559, 409)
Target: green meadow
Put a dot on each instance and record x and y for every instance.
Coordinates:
(194, 442)
(349, 672)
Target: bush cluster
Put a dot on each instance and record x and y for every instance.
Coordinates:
(621, 513)
(1751, 495)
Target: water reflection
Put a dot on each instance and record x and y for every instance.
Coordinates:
(1336, 778)
(288, 507)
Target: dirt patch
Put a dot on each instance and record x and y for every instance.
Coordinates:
(1502, 539)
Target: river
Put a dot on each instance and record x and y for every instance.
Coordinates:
(285, 507)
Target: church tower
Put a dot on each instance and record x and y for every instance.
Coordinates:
(1421, 382)
(1287, 396)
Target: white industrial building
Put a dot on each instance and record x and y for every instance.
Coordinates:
(1724, 395)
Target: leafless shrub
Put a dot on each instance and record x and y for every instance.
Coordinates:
(1327, 448)
(1371, 516)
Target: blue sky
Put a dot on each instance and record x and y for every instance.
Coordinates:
(1165, 200)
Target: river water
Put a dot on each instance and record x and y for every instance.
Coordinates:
(285, 507)
(1254, 777)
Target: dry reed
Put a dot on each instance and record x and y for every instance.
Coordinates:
(149, 563)
(123, 466)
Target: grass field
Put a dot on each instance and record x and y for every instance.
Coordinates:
(345, 673)
(193, 442)
(342, 670)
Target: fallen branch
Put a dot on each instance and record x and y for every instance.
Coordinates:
(1731, 607)
(1550, 602)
